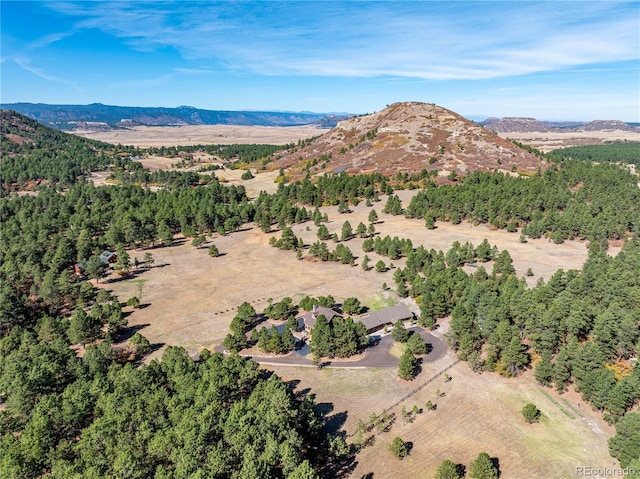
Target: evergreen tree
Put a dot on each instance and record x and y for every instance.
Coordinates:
(213, 251)
(625, 445)
(83, 328)
(416, 344)
(407, 367)
(323, 232)
(448, 470)
(399, 332)
(531, 413)
(544, 369)
(515, 357)
(398, 448)
(483, 467)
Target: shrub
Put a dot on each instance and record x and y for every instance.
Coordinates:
(398, 448)
(531, 413)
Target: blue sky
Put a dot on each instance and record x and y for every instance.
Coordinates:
(557, 60)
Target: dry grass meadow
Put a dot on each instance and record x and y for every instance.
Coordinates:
(154, 136)
(476, 413)
(189, 299)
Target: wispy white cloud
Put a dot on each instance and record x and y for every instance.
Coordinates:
(167, 78)
(427, 40)
(25, 63)
(48, 39)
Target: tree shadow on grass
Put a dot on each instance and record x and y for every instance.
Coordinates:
(324, 408)
(293, 384)
(334, 422)
(127, 333)
(303, 393)
(341, 468)
(496, 463)
(409, 445)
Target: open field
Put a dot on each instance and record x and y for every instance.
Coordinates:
(189, 299)
(151, 136)
(547, 141)
(260, 182)
(478, 413)
(192, 296)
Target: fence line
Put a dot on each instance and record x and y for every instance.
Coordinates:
(429, 381)
(422, 386)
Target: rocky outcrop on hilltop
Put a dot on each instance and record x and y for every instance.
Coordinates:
(408, 137)
(607, 125)
(509, 124)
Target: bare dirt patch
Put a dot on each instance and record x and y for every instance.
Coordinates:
(153, 136)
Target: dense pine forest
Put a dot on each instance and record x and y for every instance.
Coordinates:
(100, 415)
(618, 152)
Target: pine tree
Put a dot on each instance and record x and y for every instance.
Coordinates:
(407, 367)
(483, 468)
(515, 356)
(544, 369)
(400, 332)
(448, 470)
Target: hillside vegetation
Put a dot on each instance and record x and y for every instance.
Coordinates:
(619, 152)
(101, 415)
(408, 137)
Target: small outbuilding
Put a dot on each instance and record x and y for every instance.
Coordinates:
(108, 257)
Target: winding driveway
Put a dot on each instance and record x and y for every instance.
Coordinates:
(377, 356)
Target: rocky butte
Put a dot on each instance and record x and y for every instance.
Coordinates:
(408, 137)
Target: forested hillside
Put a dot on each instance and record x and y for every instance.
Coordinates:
(69, 116)
(619, 152)
(101, 416)
(570, 200)
(34, 152)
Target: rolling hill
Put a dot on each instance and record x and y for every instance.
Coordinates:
(99, 116)
(408, 137)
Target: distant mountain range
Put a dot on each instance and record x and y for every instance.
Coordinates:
(526, 125)
(97, 116)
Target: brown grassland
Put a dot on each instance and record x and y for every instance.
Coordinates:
(153, 136)
(192, 297)
(189, 299)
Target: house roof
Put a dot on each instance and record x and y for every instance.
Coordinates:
(375, 319)
(106, 256)
(309, 318)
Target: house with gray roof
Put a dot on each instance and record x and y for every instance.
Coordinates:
(376, 320)
(309, 318)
